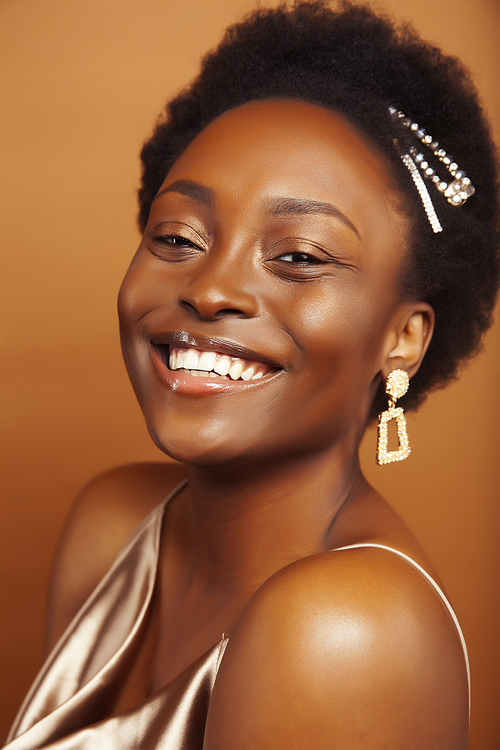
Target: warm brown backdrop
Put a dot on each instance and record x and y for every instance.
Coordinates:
(81, 84)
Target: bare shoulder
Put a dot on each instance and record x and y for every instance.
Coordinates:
(352, 648)
(104, 516)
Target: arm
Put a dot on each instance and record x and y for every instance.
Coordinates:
(349, 650)
(104, 516)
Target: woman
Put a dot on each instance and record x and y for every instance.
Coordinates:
(305, 243)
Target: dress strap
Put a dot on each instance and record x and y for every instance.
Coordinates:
(439, 591)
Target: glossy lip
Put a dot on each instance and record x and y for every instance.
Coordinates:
(179, 381)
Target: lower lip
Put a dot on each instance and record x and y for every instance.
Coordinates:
(189, 385)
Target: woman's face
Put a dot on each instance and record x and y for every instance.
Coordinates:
(273, 247)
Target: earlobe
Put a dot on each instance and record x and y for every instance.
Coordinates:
(413, 333)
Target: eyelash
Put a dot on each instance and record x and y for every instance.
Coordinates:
(174, 240)
(294, 265)
(171, 240)
(306, 259)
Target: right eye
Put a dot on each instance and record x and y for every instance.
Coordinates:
(174, 240)
(174, 247)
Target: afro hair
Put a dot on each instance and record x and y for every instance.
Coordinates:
(359, 63)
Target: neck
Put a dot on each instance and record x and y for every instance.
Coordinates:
(248, 522)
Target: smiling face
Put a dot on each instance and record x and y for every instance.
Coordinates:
(260, 305)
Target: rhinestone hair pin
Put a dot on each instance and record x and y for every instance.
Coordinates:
(456, 192)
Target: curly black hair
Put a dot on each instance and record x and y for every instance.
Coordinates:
(359, 63)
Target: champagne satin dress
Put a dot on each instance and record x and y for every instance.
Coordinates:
(70, 701)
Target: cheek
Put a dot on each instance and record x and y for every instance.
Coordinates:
(134, 301)
(132, 293)
(341, 336)
(340, 329)
(143, 290)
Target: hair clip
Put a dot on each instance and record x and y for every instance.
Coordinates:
(424, 193)
(455, 192)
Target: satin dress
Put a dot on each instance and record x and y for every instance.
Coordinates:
(70, 701)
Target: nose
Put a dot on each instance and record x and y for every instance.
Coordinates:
(219, 288)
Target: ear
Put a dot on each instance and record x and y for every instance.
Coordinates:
(409, 337)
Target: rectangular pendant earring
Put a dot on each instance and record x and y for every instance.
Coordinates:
(396, 386)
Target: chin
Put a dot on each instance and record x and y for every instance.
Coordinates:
(209, 447)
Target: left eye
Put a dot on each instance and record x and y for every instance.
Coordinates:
(300, 258)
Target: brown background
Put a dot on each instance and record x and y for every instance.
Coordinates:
(81, 84)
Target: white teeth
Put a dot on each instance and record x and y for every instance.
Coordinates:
(223, 365)
(207, 361)
(248, 373)
(179, 358)
(191, 360)
(201, 364)
(236, 369)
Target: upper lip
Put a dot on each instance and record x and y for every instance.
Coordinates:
(212, 344)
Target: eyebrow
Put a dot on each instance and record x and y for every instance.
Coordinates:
(301, 206)
(190, 189)
(276, 206)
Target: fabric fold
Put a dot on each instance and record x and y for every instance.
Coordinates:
(71, 703)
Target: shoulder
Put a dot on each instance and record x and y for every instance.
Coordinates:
(103, 517)
(353, 648)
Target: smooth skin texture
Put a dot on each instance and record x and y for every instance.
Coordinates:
(276, 236)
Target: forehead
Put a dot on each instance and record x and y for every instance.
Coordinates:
(289, 148)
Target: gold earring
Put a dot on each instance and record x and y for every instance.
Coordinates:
(396, 386)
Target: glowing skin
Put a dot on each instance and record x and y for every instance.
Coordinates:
(274, 248)
(275, 238)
